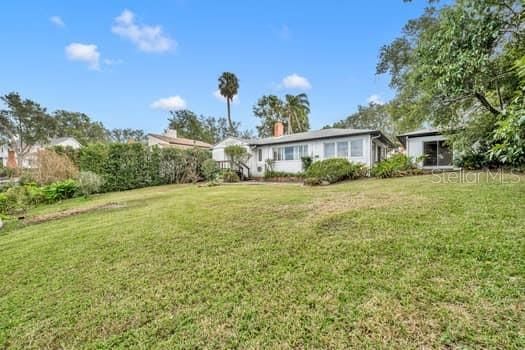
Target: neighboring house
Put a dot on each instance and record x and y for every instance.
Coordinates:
(30, 158)
(285, 151)
(170, 139)
(430, 145)
(65, 142)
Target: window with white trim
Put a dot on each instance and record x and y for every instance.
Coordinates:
(356, 148)
(342, 149)
(290, 152)
(329, 149)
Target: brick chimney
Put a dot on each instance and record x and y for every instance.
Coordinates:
(11, 159)
(171, 133)
(278, 129)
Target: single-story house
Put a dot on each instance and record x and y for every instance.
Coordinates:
(430, 143)
(8, 156)
(285, 151)
(170, 139)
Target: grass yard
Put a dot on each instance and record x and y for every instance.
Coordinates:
(396, 263)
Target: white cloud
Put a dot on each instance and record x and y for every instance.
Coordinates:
(146, 38)
(296, 81)
(87, 53)
(218, 96)
(375, 99)
(169, 103)
(57, 21)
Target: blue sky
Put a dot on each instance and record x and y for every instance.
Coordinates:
(121, 62)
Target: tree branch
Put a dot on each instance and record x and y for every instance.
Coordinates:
(483, 100)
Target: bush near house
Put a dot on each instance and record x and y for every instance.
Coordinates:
(230, 176)
(19, 198)
(282, 176)
(210, 170)
(394, 166)
(128, 166)
(89, 183)
(333, 170)
(52, 166)
(72, 153)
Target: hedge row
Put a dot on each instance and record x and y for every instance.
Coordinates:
(134, 165)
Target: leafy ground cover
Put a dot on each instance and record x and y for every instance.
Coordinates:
(402, 263)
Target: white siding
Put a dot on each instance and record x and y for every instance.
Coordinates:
(315, 150)
(414, 147)
(218, 154)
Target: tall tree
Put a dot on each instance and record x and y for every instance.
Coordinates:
(79, 126)
(127, 135)
(191, 126)
(296, 109)
(207, 129)
(269, 109)
(23, 124)
(456, 59)
(228, 88)
(373, 116)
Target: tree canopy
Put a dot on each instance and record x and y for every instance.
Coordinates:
(455, 59)
(228, 88)
(293, 112)
(373, 116)
(79, 126)
(455, 68)
(207, 129)
(23, 124)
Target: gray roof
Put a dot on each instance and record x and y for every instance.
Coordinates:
(420, 132)
(416, 133)
(315, 135)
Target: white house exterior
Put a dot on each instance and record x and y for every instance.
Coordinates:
(430, 146)
(357, 145)
(30, 158)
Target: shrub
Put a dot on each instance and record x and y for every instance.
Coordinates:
(273, 174)
(52, 167)
(306, 161)
(60, 190)
(237, 153)
(89, 183)
(6, 172)
(4, 203)
(36, 194)
(230, 176)
(210, 169)
(333, 170)
(397, 165)
(128, 166)
(18, 198)
(68, 151)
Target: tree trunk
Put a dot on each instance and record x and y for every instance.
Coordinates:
(483, 100)
(229, 116)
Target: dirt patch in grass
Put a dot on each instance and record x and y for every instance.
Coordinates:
(37, 219)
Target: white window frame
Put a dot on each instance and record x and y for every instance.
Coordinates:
(333, 149)
(362, 153)
(337, 149)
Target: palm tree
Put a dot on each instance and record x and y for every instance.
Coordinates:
(228, 88)
(296, 109)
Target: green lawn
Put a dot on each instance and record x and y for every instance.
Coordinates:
(396, 263)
